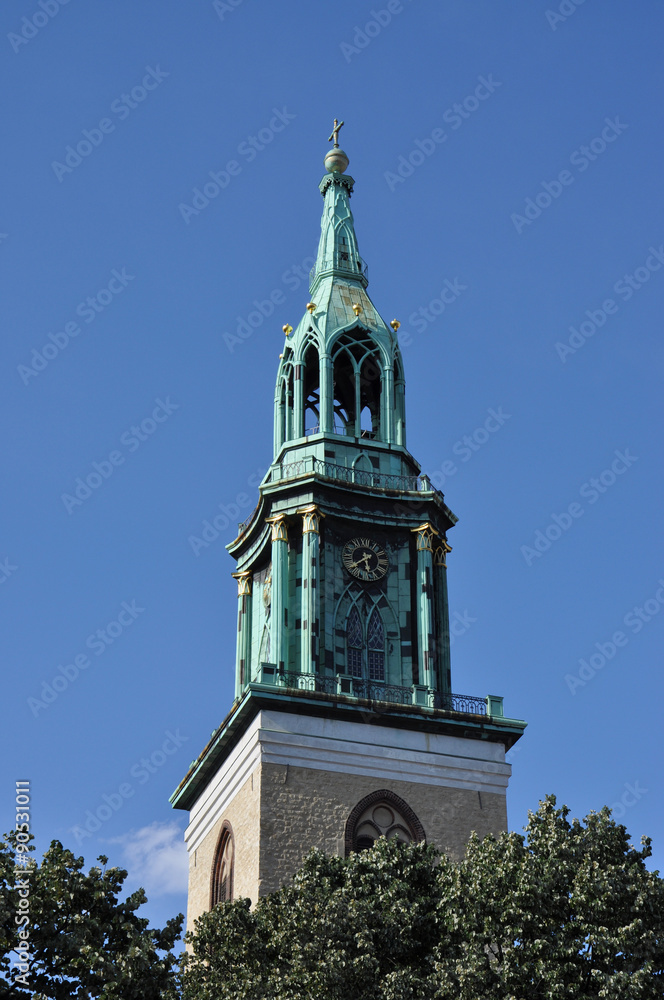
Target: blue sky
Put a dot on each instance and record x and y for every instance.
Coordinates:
(506, 153)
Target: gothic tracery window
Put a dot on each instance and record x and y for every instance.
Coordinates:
(365, 645)
(376, 647)
(381, 814)
(222, 870)
(355, 643)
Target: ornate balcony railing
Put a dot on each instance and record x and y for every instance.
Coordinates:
(467, 703)
(393, 694)
(243, 525)
(308, 682)
(310, 466)
(358, 477)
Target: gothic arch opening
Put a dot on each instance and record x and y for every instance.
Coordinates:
(370, 396)
(311, 390)
(358, 385)
(221, 887)
(344, 393)
(285, 397)
(382, 813)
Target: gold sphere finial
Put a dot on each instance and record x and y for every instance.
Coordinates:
(311, 307)
(395, 324)
(357, 308)
(287, 328)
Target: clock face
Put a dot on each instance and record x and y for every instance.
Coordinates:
(365, 559)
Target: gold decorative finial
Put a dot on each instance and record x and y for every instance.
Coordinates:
(357, 308)
(287, 328)
(335, 132)
(395, 324)
(311, 307)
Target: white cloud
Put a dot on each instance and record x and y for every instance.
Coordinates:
(156, 858)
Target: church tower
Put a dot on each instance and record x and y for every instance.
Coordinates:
(344, 726)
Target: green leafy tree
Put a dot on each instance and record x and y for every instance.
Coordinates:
(570, 911)
(84, 942)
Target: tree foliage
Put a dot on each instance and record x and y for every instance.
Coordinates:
(84, 942)
(570, 911)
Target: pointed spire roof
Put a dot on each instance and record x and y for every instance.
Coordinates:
(339, 276)
(338, 252)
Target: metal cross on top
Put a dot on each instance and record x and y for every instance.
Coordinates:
(335, 132)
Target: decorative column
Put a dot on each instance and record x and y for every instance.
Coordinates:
(310, 611)
(387, 405)
(279, 418)
(358, 406)
(288, 404)
(400, 411)
(442, 620)
(326, 404)
(243, 649)
(298, 403)
(279, 613)
(426, 534)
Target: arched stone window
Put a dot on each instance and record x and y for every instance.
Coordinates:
(221, 889)
(381, 814)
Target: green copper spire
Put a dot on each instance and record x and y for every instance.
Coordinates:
(338, 253)
(341, 371)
